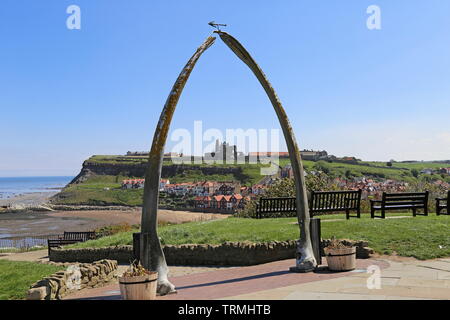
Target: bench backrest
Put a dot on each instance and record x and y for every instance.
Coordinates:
(84, 236)
(321, 201)
(402, 199)
(329, 201)
(275, 205)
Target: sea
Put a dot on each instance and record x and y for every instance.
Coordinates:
(14, 186)
(18, 230)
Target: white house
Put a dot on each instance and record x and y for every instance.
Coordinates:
(163, 183)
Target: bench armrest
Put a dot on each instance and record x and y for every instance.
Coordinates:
(373, 202)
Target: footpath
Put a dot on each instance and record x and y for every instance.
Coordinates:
(399, 278)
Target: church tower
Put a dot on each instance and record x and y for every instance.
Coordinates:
(218, 146)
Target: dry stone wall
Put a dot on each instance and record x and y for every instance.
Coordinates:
(75, 277)
(226, 254)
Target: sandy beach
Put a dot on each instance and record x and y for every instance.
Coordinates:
(30, 223)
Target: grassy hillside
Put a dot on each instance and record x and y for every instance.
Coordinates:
(412, 165)
(105, 189)
(100, 190)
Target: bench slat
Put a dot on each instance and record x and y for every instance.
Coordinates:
(400, 203)
(405, 194)
(406, 198)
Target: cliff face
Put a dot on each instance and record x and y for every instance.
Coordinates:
(138, 170)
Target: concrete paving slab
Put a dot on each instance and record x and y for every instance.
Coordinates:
(399, 280)
(404, 291)
(414, 282)
(331, 296)
(436, 264)
(443, 275)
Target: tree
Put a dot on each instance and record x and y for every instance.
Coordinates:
(322, 166)
(348, 174)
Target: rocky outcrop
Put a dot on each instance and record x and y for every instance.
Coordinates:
(90, 169)
(75, 277)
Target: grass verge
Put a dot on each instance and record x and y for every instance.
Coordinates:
(16, 277)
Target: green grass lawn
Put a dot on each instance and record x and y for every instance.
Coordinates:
(16, 277)
(420, 237)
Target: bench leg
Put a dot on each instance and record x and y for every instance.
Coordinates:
(358, 213)
(347, 214)
(414, 212)
(383, 214)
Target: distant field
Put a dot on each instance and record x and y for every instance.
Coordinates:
(414, 165)
(420, 237)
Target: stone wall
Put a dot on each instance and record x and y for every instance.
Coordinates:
(226, 254)
(229, 253)
(122, 254)
(75, 277)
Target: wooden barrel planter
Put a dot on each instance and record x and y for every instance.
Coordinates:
(342, 259)
(139, 287)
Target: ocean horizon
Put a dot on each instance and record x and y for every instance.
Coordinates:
(14, 186)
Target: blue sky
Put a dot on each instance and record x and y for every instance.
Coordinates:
(374, 94)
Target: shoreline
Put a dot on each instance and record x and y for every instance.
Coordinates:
(38, 224)
(28, 199)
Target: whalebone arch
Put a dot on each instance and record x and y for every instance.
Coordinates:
(151, 253)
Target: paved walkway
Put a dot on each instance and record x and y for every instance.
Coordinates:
(33, 256)
(410, 279)
(401, 278)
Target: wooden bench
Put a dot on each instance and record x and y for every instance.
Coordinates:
(321, 201)
(400, 201)
(336, 201)
(70, 237)
(443, 204)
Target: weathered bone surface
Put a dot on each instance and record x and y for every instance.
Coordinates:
(152, 256)
(305, 260)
